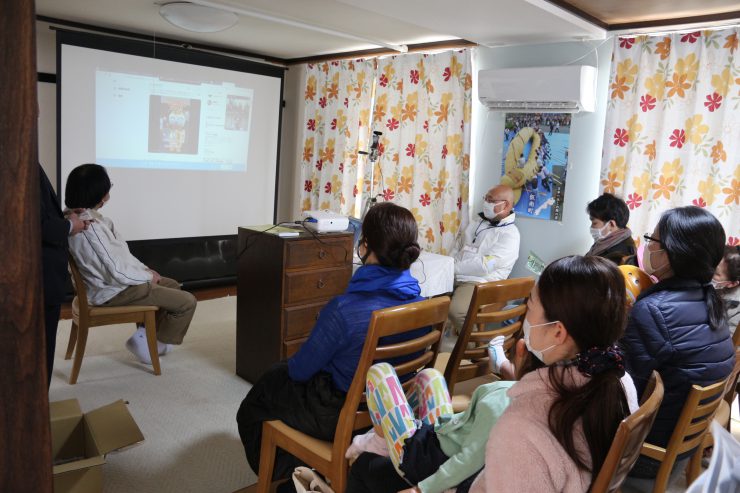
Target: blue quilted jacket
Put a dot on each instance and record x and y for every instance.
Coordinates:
(668, 331)
(336, 341)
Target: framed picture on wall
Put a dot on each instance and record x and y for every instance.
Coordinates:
(535, 162)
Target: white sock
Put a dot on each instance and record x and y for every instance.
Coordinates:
(496, 353)
(138, 346)
(162, 348)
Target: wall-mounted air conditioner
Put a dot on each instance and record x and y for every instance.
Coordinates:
(565, 89)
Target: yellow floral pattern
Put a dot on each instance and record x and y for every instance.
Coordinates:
(675, 100)
(423, 107)
(338, 97)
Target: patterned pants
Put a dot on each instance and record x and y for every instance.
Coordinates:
(394, 414)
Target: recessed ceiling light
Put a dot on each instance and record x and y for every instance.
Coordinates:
(197, 18)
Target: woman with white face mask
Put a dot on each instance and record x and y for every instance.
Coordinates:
(573, 390)
(677, 326)
(612, 238)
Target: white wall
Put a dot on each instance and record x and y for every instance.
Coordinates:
(548, 239)
(46, 62)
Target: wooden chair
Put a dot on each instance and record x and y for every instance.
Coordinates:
(85, 316)
(696, 416)
(628, 440)
(469, 357)
(722, 416)
(736, 336)
(327, 457)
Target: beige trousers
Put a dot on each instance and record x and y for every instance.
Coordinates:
(176, 307)
(460, 303)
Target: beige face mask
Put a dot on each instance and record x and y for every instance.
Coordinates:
(647, 265)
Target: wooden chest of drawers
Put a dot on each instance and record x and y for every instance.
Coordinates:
(282, 284)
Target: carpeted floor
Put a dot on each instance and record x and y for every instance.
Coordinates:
(187, 414)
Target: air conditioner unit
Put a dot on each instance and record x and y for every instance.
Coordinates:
(564, 89)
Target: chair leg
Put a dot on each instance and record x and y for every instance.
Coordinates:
(151, 338)
(267, 460)
(693, 468)
(79, 353)
(664, 473)
(72, 341)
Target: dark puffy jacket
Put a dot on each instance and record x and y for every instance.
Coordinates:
(668, 331)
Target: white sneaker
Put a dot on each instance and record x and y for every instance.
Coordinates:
(138, 346)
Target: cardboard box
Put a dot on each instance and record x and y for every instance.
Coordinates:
(80, 441)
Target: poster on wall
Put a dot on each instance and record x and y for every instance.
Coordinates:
(535, 162)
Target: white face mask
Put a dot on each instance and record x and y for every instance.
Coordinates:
(647, 265)
(489, 210)
(527, 331)
(598, 234)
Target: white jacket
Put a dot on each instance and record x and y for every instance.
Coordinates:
(488, 252)
(105, 262)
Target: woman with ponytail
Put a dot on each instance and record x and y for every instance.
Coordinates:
(677, 326)
(573, 390)
(308, 391)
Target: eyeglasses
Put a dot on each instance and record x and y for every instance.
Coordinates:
(649, 239)
(491, 200)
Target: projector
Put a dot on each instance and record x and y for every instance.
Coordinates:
(325, 221)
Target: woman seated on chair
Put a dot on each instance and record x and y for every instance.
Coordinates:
(561, 416)
(677, 326)
(307, 392)
(112, 275)
(726, 281)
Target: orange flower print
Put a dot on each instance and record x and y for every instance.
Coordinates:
(650, 150)
(441, 114)
(429, 235)
(308, 150)
(664, 187)
(663, 48)
(610, 183)
(733, 192)
(718, 152)
(709, 189)
(404, 184)
(619, 87)
(731, 42)
(678, 85)
(310, 88)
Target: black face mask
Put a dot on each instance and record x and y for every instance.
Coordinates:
(363, 258)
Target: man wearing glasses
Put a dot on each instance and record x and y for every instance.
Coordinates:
(487, 251)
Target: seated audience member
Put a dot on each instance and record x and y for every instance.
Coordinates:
(612, 238)
(112, 275)
(573, 391)
(438, 451)
(677, 326)
(726, 281)
(307, 392)
(486, 251)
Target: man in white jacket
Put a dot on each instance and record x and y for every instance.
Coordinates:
(112, 275)
(487, 250)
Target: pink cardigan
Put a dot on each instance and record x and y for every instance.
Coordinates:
(522, 455)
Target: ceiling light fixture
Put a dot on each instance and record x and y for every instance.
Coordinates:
(197, 18)
(251, 12)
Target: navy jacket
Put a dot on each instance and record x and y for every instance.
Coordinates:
(336, 341)
(668, 331)
(54, 233)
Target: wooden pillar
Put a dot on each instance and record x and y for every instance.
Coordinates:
(25, 444)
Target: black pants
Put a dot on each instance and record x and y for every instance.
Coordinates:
(51, 320)
(422, 457)
(312, 407)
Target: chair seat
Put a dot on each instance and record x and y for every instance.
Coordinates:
(99, 311)
(316, 446)
(464, 391)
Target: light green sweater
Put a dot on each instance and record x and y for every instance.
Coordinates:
(463, 437)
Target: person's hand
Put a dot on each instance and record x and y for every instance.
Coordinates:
(411, 490)
(155, 276)
(77, 223)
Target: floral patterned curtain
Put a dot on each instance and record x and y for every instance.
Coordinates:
(422, 106)
(338, 98)
(673, 127)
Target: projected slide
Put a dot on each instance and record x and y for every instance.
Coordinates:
(143, 121)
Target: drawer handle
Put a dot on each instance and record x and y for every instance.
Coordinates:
(320, 284)
(322, 254)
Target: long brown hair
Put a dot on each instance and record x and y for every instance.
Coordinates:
(586, 294)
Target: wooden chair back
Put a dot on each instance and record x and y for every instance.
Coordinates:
(732, 380)
(80, 305)
(688, 434)
(353, 416)
(736, 336)
(628, 439)
(469, 357)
